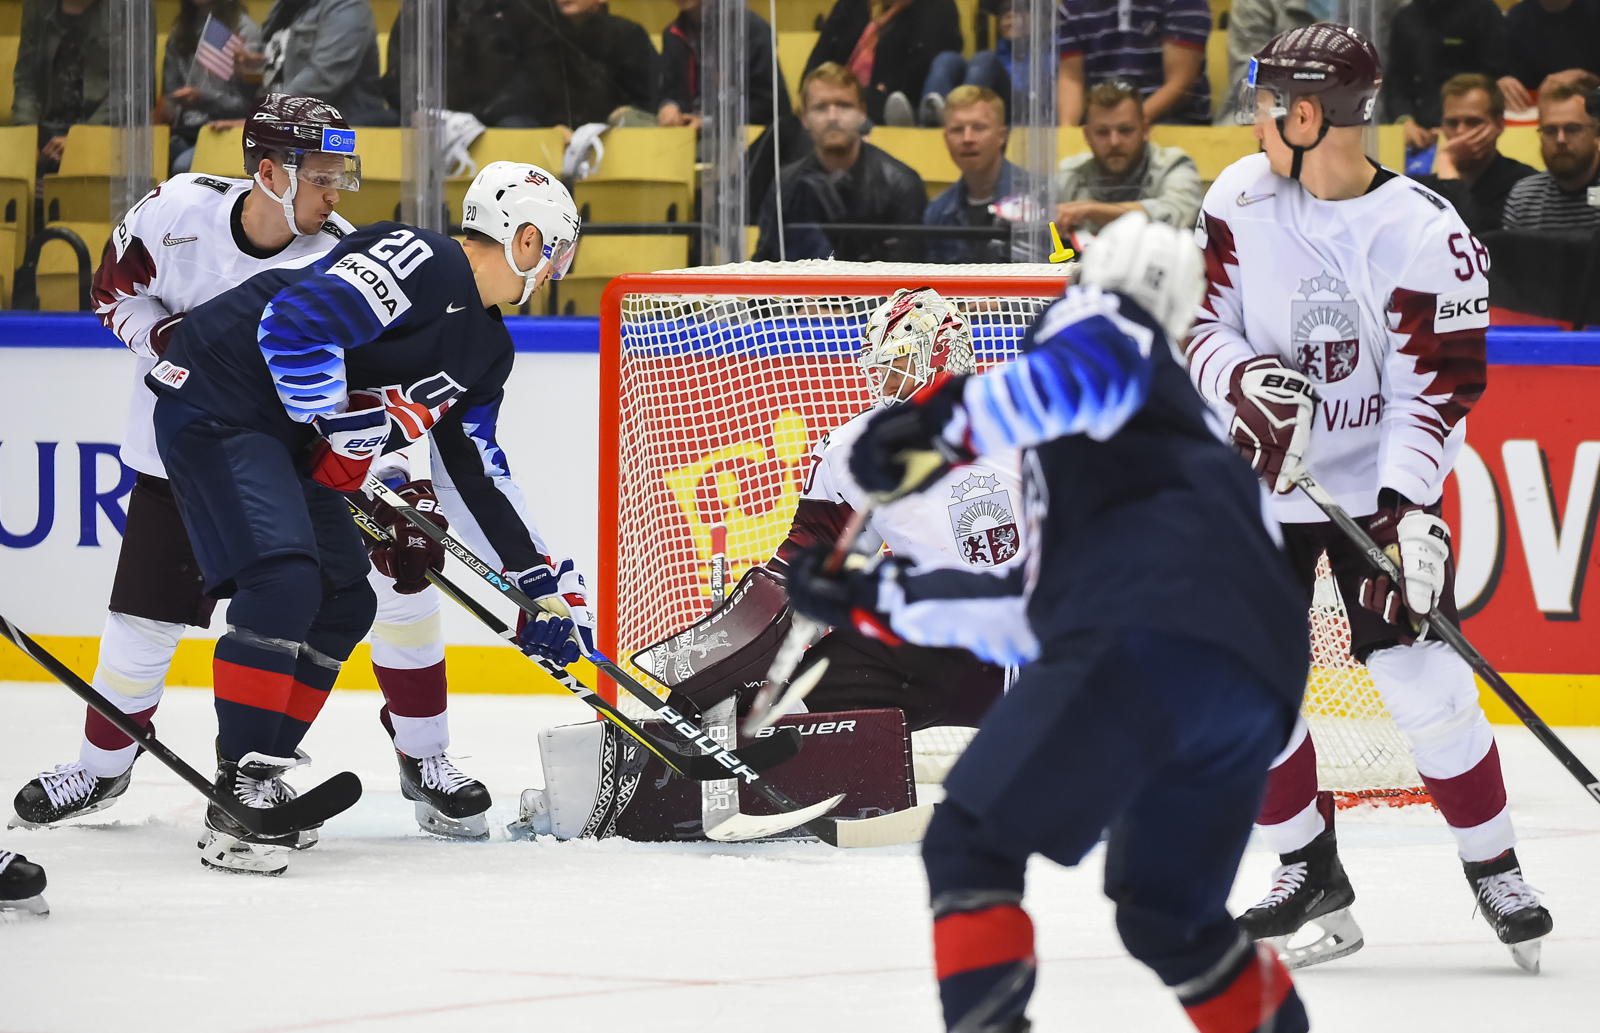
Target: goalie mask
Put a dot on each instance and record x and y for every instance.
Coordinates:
(508, 195)
(912, 337)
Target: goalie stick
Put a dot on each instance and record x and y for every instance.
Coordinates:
(697, 768)
(305, 811)
(900, 827)
(1444, 629)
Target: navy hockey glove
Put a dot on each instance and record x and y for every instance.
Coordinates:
(903, 448)
(351, 440)
(548, 636)
(847, 597)
(560, 589)
(412, 554)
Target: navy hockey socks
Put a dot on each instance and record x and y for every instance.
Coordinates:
(985, 963)
(254, 665)
(1251, 994)
(343, 620)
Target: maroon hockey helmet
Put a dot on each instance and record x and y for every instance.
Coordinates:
(286, 128)
(1333, 62)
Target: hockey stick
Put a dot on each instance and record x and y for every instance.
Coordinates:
(879, 831)
(305, 811)
(1441, 626)
(697, 768)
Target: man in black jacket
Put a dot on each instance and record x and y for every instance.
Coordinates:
(843, 180)
(488, 48)
(1469, 171)
(1432, 41)
(681, 83)
(905, 36)
(589, 64)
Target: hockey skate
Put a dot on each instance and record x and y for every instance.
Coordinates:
(63, 794)
(1309, 887)
(1511, 906)
(255, 780)
(533, 816)
(21, 886)
(449, 802)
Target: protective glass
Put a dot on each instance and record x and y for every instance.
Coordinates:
(330, 171)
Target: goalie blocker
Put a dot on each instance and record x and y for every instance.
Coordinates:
(599, 783)
(730, 650)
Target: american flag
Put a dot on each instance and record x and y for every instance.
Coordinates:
(217, 47)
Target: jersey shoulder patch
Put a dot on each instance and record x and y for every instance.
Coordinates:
(221, 186)
(1432, 198)
(333, 231)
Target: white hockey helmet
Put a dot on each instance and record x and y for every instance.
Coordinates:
(508, 195)
(922, 325)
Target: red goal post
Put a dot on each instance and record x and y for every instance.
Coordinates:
(716, 383)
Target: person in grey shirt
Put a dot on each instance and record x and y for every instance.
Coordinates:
(327, 49)
(1123, 170)
(1566, 196)
(192, 97)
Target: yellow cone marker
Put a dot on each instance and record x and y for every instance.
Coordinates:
(1062, 253)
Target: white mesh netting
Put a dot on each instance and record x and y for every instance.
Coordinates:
(721, 397)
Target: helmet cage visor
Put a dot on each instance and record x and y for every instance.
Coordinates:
(343, 176)
(1255, 99)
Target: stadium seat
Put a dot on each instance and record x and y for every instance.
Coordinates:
(602, 259)
(384, 12)
(10, 17)
(8, 70)
(219, 154)
(58, 265)
(647, 175)
(1522, 143)
(17, 147)
(166, 14)
(1217, 66)
(923, 150)
(81, 191)
(1213, 148)
(542, 147)
(654, 15)
(259, 9)
(968, 11)
(161, 57)
(383, 51)
(380, 178)
(794, 50)
(795, 15)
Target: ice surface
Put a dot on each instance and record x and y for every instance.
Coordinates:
(381, 928)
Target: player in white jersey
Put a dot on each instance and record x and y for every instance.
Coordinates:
(1344, 327)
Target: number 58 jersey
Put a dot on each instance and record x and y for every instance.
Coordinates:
(1381, 300)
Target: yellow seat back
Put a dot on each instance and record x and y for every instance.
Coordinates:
(8, 72)
(923, 150)
(1522, 144)
(647, 175)
(602, 259)
(1213, 148)
(17, 145)
(794, 50)
(541, 147)
(219, 154)
(380, 178)
(81, 191)
(58, 265)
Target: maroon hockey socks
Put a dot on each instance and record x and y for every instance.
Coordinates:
(414, 708)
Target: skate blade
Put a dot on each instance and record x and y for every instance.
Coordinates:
(1341, 936)
(1526, 954)
(226, 853)
(305, 839)
(434, 822)
(24, 909)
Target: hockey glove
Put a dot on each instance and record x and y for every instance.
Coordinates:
(350, 441)
(1419, 544)
(548, 636)
(412, 554)
(846, 597)
(1271, 419)
(904, 448)
(561, 591)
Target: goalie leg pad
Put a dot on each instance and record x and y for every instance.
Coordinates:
(591, 775)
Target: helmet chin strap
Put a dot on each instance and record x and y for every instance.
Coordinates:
(529, 278)
(1300, 152)
(287, 200)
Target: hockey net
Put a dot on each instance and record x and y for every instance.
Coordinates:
(720, 380)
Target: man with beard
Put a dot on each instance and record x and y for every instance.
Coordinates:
(844, 179)
(1563, 197)
(1123, 171)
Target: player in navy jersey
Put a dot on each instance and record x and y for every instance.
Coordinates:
(1166, 646)
(275, 397)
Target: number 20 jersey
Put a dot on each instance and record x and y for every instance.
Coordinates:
(1381, 300)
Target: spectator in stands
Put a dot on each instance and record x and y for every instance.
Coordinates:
(191, 96)
(1123, 170)
(327, 49)
(1549, 38)
(843, 180)
(1566, 196)
(592, 66)
(63, 72)
(488, 59)
(679, 103)
(975, 134)
(889, 45)
(990, 69)
(1157, 45)
(1469, 171)
(1432, 41)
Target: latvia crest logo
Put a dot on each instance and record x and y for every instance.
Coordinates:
(983, 521)
(1325, 329)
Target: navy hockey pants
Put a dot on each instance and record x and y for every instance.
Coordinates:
(1165, 742)
(286, 550)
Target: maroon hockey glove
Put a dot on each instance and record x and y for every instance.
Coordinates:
(849, 596)
(412, 554)
(1271, 428)
(903, 448)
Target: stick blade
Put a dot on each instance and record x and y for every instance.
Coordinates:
(741, 827)
(907, 826)
(313, 807)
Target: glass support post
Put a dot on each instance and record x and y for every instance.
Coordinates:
(422, 100)
(723, 99)
(1033, 125)
(132, 87)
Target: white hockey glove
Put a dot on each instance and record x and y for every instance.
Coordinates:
(1271, 428)
(561, 591)
(1424, 552)
(1153, 264)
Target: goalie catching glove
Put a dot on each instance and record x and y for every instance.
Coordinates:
(1419, 544)
(566, 630)
(908, 446)
(409, 557)
(1271, 428)
(848, 596)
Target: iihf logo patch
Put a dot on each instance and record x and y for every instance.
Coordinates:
(1325, 328)
(983, 521)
